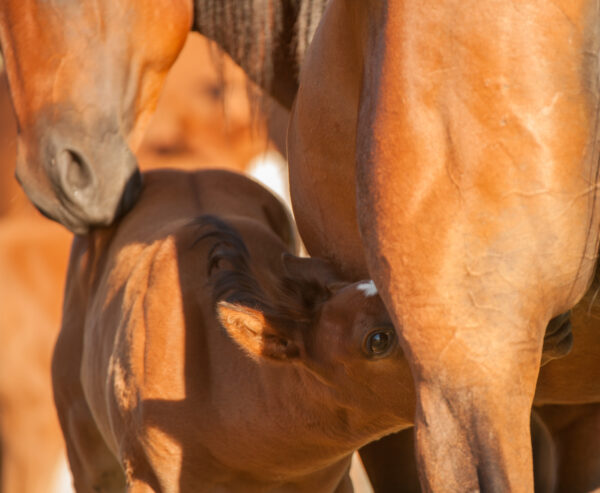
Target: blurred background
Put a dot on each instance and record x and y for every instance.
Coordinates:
(209, 115)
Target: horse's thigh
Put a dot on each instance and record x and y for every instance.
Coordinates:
(94, 467)
(390, 463)
(575, 430)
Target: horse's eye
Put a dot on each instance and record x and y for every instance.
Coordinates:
(379, 342)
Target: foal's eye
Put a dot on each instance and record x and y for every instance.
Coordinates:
(379, 342)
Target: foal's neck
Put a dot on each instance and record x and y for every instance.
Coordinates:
(320, 423)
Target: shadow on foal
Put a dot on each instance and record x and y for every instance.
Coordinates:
(211, 358)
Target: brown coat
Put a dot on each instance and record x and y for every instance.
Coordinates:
(302, 370)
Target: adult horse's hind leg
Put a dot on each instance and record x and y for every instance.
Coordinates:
(476, 177)
(393, 469)
(544, 455)
(476, 127)
(390, 462)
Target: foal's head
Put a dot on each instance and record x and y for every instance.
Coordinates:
(336, 331)
(84, 77)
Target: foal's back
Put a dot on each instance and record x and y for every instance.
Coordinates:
(171, 197)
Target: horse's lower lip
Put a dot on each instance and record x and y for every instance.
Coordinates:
(77, 222)
(66, 218)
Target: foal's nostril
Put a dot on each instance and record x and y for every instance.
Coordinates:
(75, 170)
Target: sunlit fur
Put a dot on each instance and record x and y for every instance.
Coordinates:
(197, 352)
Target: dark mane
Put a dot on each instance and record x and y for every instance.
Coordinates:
(265, 37)
(289, 303)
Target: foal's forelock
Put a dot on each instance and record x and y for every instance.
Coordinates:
(289, 303)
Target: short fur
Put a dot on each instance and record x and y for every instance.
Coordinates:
(198, 354)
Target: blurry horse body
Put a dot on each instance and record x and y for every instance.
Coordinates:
(567, 398)
(33, 259)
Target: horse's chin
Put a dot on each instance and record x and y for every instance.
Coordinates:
(79, 221)
(63, 216)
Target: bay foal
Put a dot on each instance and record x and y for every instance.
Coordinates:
(197, 354)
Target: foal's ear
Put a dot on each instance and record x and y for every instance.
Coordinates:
(313, 270)
(310, 269)
(253, 333)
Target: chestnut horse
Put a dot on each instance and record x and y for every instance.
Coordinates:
(197, 354)
(466, 130)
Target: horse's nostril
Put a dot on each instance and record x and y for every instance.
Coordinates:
(75, 170)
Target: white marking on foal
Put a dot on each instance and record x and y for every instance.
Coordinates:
(368, 288)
